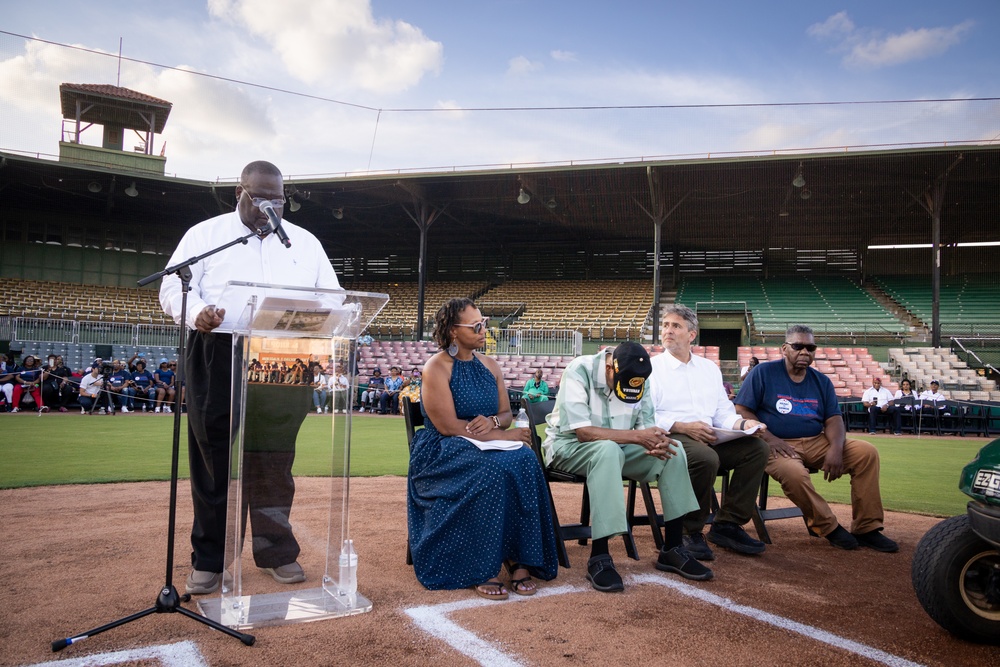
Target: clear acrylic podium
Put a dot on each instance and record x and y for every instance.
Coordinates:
(280, 327)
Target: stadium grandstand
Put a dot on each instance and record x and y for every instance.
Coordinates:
(891, 255)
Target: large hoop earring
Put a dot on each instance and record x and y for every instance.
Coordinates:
(453, 348)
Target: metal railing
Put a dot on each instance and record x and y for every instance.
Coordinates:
(44, 330)
(561, 342)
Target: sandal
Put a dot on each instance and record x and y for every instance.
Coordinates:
(495, 585)
(520, 586)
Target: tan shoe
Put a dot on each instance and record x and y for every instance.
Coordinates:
(291, 573)
(201, 582)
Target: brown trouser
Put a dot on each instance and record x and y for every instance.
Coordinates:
(861, 462)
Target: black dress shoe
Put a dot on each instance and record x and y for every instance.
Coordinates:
(874, 539)
(603, 576)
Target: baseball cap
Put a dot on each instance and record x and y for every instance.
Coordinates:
(630, 367)
(164, 360)
(936, 382)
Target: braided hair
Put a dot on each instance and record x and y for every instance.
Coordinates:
(446, 317)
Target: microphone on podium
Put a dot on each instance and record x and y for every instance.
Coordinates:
(274, 222)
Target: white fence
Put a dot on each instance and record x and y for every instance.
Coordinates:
(45, 330)
(564, 342)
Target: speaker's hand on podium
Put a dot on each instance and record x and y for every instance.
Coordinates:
(209, 318)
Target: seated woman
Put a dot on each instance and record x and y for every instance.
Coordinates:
(905, 391)
(471, 511)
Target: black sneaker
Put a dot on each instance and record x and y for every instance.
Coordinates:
(679, 561)
(696, 545)
(874, 539)
(731, 536)
(842, 539)
(603, 576)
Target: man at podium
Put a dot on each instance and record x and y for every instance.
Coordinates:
(272, 422)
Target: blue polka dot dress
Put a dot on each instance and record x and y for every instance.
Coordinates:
(468, 509)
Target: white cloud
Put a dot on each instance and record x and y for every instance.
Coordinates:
(563, 56)
(520, 65)
(337, 45)
(867, 47)
(836, 24)
(905, 47)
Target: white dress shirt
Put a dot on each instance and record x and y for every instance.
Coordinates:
(935, 396)
(689, 392)
(265, 260)
(879, 396)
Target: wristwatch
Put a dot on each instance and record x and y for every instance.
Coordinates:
(496, 421)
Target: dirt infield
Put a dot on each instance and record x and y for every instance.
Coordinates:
(75, 557)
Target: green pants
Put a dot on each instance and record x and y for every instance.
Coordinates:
(605, 463)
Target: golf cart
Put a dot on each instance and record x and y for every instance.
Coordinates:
(956, 567)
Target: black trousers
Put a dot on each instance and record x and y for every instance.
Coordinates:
(274, 415)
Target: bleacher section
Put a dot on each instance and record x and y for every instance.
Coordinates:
(968, 304)
(70, 301)
(849, 368)
(600, 309)
(410, 355)
(830, 305)
(958, 381)
(399, 316)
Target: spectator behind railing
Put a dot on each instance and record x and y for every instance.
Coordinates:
(57, 391)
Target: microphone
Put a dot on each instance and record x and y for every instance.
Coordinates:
(274, 222)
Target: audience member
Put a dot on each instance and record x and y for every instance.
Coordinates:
(145, 389)
(805, 429)
(121, 386)
(163, 380)
(28, 380)
(535, 389)
(878, 400)
(319, 384)
(603, 425)
(388, 403)
(749, 367)
(690, 402)
(411, 388)
(7, 379)
(934, 396)
(905, 391)
(57, 387)
(472, 511)
(370, 395)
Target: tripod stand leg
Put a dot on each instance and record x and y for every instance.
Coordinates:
(168, 602)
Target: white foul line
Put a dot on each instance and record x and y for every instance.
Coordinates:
(181, 654)
(433, 620)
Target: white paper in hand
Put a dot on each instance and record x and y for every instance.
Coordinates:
(495, 444)
(726, 434)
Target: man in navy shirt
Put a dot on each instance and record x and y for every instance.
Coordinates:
(805, 428)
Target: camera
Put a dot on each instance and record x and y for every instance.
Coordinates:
(106, 368)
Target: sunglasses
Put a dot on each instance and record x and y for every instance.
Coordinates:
(476, 328)
(798, 347)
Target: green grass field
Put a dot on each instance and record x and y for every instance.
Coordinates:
(918, 475)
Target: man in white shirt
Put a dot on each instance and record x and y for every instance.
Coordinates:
(878, 400)
(691, 403)
(274, 413)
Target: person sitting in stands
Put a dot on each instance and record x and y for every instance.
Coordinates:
(142, 380)
(473, 511)
(935, 396)
(7, 375)
(749, 367)
(121, 387)
(535, 389)
(375, 385)
(163, 379)
(411, 388)
(388, 403)
(319, 384)
(28, 380)
(906, 391)
(878, 400)
(57, 391)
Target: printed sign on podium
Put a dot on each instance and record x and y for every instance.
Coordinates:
(286, 562)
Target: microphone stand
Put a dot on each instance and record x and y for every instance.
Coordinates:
(169, 601)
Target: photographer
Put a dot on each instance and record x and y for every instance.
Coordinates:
(92, 392)
(121, 387)
(142, 380)
(57, 391)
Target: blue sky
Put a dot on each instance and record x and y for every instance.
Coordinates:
(453, 57)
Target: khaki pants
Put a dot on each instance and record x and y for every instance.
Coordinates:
(861, 462)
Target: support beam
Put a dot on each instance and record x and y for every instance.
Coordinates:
(423, 216)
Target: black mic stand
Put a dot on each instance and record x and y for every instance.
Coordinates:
(169, 601)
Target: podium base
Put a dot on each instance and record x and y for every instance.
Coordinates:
(299, 606)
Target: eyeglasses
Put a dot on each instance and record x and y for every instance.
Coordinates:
(476, 327)
(257, 201)
(798, 347)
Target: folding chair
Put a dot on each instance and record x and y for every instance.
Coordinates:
(537, 412)
(414, 419)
